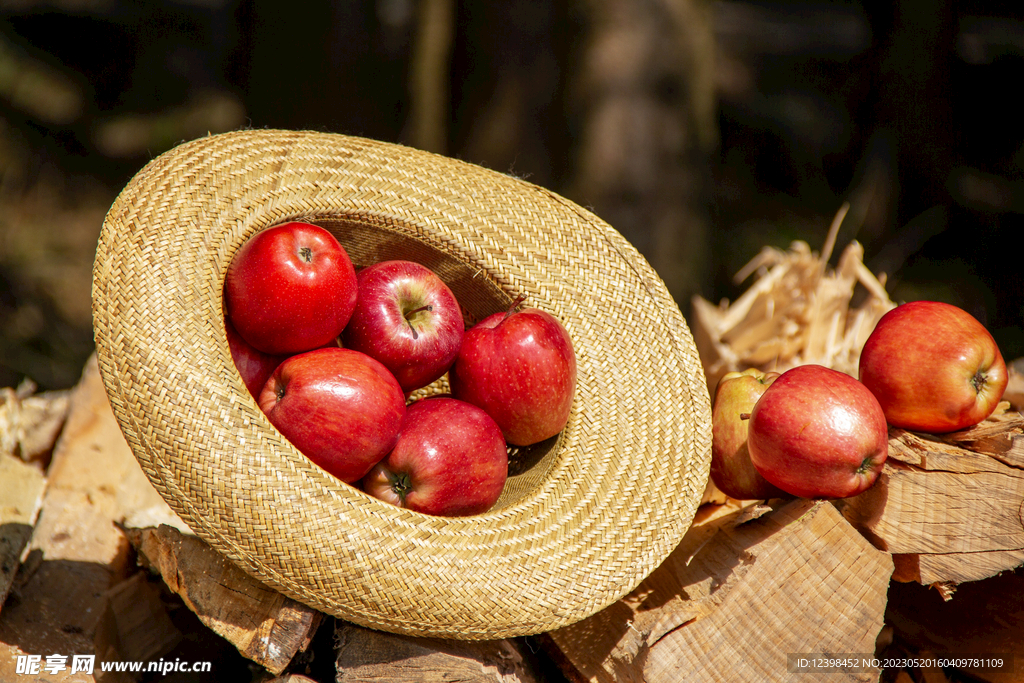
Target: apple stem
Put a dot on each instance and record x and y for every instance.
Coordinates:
(515, 304)
(415, 334)
(744, 416)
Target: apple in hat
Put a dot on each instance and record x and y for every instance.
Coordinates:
(338, 407)
(818, 433)
(731, 469)
(254, 366)
(933, 367)
(408, 319)
(290, 288)
(520, 367)
(450, 460)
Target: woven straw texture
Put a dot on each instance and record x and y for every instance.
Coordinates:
(584, 517)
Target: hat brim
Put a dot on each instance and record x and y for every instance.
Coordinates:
(585, 517)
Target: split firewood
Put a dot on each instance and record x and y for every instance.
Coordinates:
(1014, 393)
(798, 311)
(29, 422)
(76, 553)
(134, 625)
(21, 496)
(29, 426)
(949, 506)
(984, 623)
(367, 655)
(266, 627)
(738, 596)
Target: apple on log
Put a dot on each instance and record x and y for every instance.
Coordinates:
(450, 460)
(338, 407)
(407, 318)
(731, 469)
(520, 367)
(933, 367)
(290, 288)
(818, 433)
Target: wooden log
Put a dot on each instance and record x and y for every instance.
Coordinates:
(76, 553)
(985, 619)
(21, 496)
(949, 507)
(133, 626)
(266, 627)
(737, 596)
(364, 655)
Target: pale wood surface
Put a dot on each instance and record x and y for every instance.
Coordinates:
(264, 625)
(365, 656)
(736, 597)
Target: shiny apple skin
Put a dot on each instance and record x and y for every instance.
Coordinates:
(254, 366)
(389, 322)
(338, 407)
(933, 367)
(450, 460)
(521, 369)
(731, 469)
(290, 288)
(818, 433)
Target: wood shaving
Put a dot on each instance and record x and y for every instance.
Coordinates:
(797, 311)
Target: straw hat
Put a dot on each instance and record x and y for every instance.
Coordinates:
(583, 518)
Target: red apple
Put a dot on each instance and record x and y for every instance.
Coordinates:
(450, 460)
(290, 288)
(408, 319)
(818, 433)
(340, 408)
(933, 367)
(520, 367)
(731, 469)
(254, 366)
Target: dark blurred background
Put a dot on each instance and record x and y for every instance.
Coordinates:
(700, 130)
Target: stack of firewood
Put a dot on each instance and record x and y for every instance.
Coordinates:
(94, 562)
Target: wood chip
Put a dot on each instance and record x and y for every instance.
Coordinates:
(797, 311)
